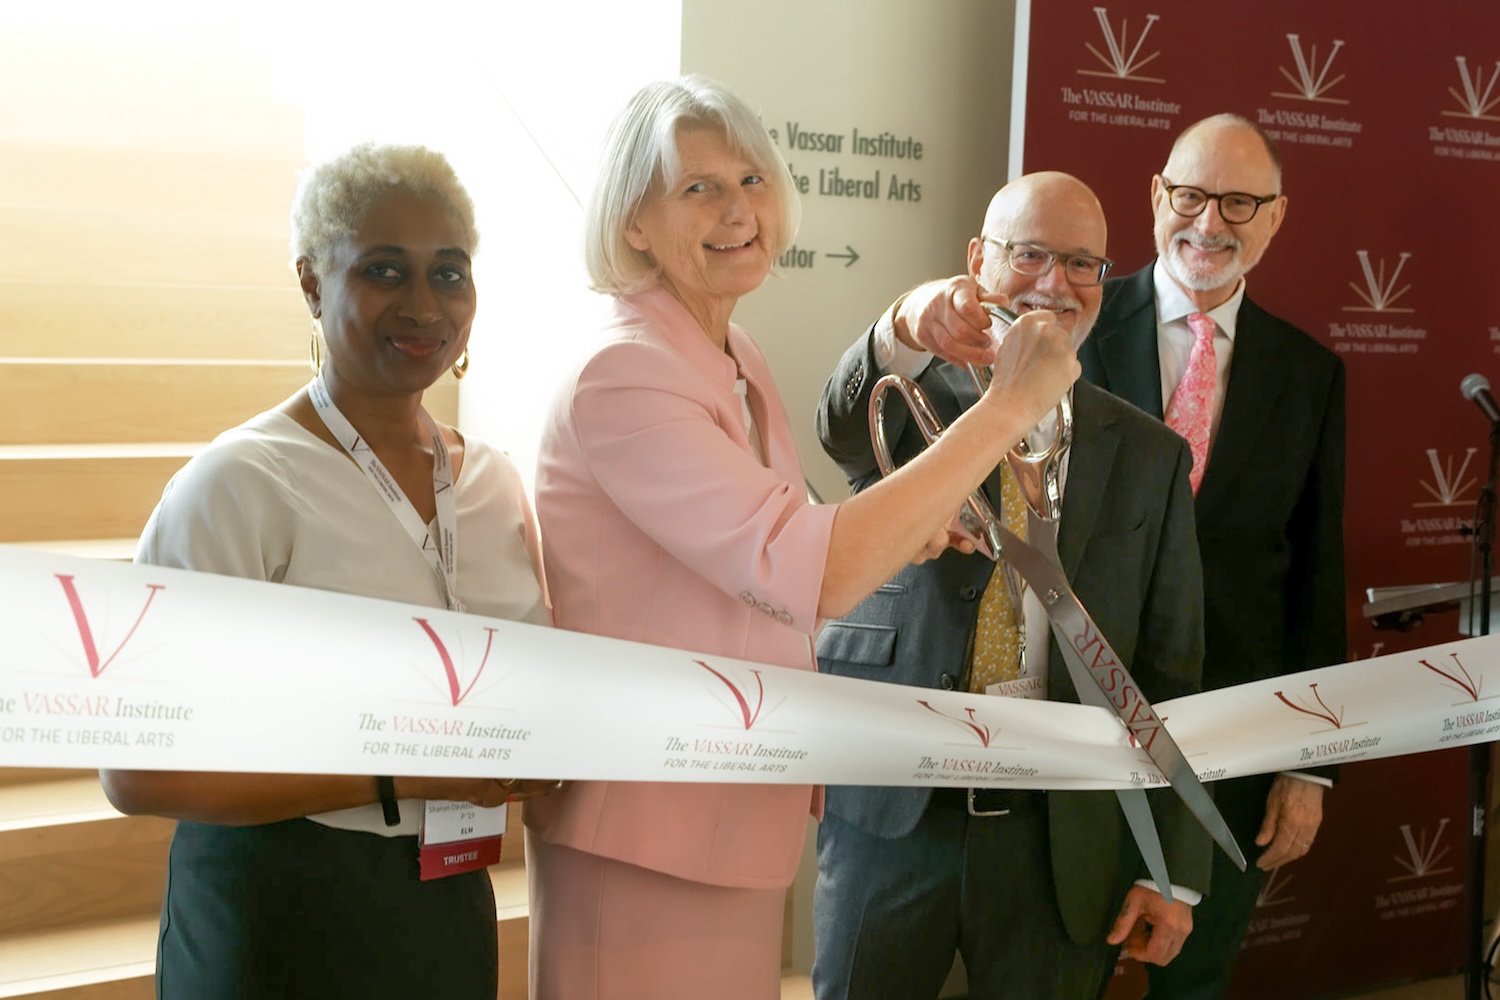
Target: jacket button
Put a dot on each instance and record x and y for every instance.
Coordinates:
(748, 598)
(766, 609)
(968, 593)
(946, 682)
(783, 618)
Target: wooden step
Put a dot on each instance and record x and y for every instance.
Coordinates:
(68, 858)
(83, 491)
(119, 400)
(122, 400)
(112, 960)
(82, 317)
(10, 776)
(117, 549)
(66, 814)
(79, 179)
(141, 248)
(123, 951)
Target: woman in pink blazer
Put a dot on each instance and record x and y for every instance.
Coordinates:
(673, 512)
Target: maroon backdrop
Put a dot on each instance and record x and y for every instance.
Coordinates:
(1388, 119)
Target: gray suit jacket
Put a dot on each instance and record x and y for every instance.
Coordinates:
(1128, 546)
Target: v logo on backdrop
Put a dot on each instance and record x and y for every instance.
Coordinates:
(1118, 64)
(1476, 99)
(1449, 488)
(1310, 87)
(1379, 294)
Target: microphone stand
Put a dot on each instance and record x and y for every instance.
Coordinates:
(1479, 754)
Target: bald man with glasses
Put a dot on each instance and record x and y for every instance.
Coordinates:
(1036, 890)
(1261, 404)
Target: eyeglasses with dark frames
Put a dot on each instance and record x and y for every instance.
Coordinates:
(1235, 207)
(1081, 269)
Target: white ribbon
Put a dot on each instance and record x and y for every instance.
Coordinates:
(113, 665)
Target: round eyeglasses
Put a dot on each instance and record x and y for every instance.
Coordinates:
(1234, 206)
(1081, 269)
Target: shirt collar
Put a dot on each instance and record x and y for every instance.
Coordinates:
(1174, 306)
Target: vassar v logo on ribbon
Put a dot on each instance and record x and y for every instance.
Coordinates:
(456, 691)
(748, 713)
(1321, 711)
(1458, 676)
(979, 730)
(98, 664)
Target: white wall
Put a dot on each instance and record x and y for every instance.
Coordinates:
(934, 70)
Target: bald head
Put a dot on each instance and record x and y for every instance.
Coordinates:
(1226, 130)
(1034, 199)
(1048, 211)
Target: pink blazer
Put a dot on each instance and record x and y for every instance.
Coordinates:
(660, 525)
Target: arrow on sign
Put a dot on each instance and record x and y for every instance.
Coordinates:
(851, 255)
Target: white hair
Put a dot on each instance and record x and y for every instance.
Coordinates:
(333, 196)
(640, 157)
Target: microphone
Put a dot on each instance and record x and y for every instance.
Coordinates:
(1476, 387)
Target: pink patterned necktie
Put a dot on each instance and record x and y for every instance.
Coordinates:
(1191, 411)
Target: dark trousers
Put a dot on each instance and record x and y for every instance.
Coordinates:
(1203, 970)
(298, 909)
(889, 914)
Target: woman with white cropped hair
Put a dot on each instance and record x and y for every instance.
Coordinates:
(671, 496)
(292, 885)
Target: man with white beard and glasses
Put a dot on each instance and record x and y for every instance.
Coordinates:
(1261, 404)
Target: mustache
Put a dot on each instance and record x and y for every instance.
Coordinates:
(1051, 303)
(1219, 242)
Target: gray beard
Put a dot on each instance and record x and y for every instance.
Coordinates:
(1203, 282)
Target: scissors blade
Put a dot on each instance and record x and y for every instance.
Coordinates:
(1138, 815)
(1101, 678)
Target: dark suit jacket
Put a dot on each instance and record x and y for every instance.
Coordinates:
(1127, 546)
(1271, 504)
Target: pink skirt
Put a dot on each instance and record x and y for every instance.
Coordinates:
(607, 930)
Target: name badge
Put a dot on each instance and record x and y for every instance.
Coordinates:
(459, 837)
(1021, 687)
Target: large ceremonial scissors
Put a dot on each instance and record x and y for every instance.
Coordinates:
(1098, 674)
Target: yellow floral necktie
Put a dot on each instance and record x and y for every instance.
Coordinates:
(997, 633)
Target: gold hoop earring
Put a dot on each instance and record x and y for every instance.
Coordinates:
(461, 366)
(315, 349)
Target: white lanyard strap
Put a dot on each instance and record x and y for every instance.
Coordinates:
(441, 553)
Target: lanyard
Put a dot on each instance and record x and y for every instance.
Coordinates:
(441, 554)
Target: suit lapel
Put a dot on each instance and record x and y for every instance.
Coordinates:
(1251, 398)
(1095, 441)
(1126, 343)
